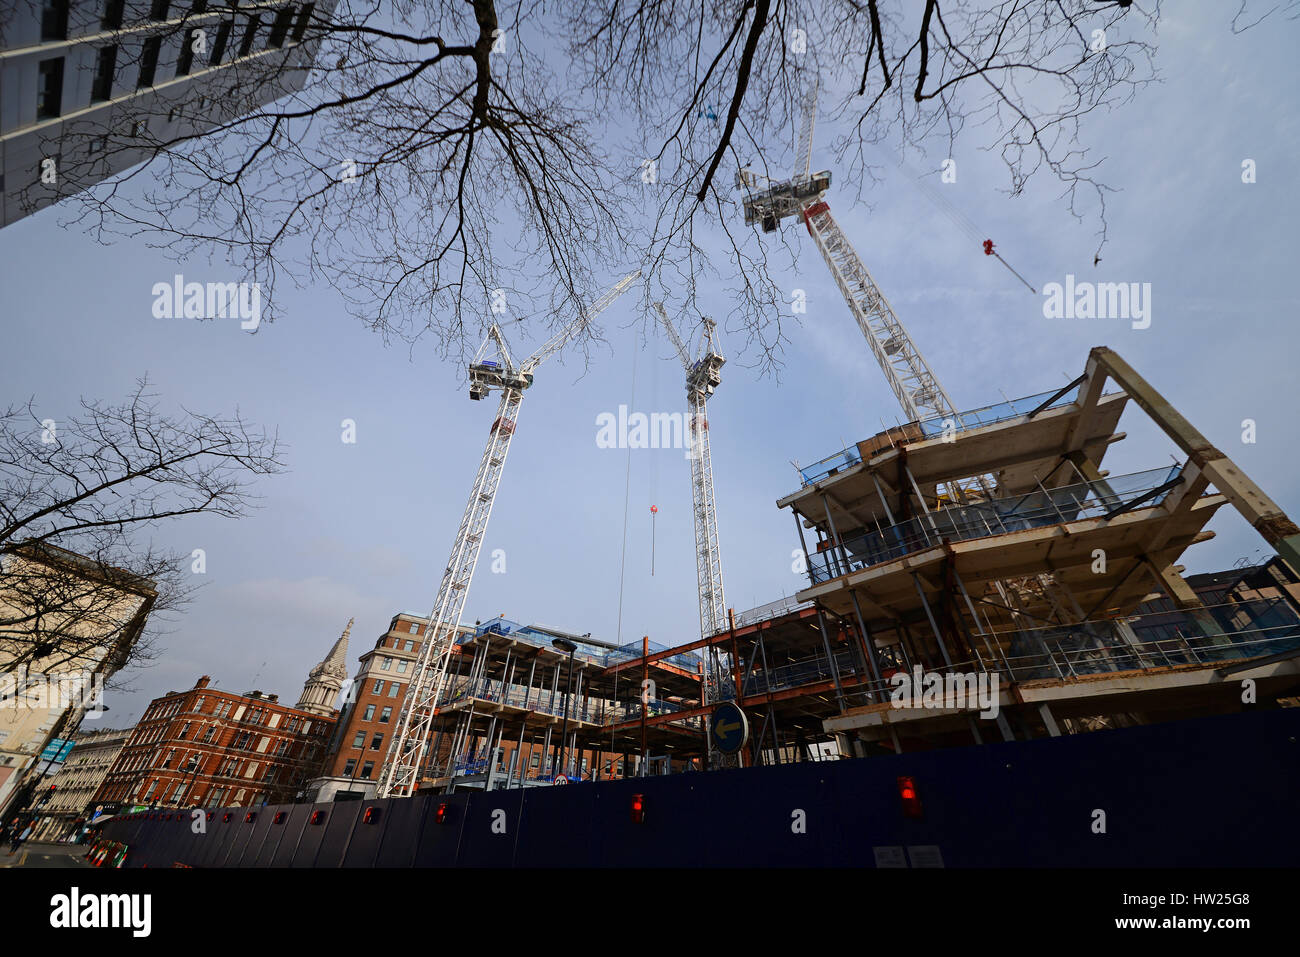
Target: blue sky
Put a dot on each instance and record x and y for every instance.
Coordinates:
(363, 530)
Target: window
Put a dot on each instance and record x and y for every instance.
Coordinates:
(415, 629)
(185, 729)
(299, 28)
(219, 44)
(148, 62)
(49, 89)
(370, 712)
(158, 9)
(101, 88)
(401, 666)
(202, 699)
(54, 20)
(385, 715)
(207, 735)
(250, 32)
(170, 754)
(112, 18)
(360, 740)
(280, 26)
(392, 689)
(350, 767)
(376, 741)
(379, 687)
(145, 796)
(410, 645)
(367, 769)
(185, 59)
(536, 760)
(385, 664)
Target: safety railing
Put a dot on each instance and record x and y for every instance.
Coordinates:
(773, 609)
(953, 424)
(798, 673)
(999, 516)
(830, 465)
(998, 412)
(1100, 647)
(503, 627)
(489, 692)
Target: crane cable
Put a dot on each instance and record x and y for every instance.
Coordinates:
(654, 460)
(622, 567)
(958, 218)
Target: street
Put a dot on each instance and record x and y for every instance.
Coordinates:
(35, 854)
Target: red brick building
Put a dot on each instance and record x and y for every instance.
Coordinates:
(373, 706)
(210, 748)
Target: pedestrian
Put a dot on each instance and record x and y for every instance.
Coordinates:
(21, 836)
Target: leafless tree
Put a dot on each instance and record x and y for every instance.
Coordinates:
(440, 151)
(77, 498)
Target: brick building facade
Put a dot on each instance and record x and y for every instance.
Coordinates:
(373, 706)
(211, 748)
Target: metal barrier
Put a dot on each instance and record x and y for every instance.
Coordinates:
(1004, 804)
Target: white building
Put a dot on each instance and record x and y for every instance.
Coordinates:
(52, 677)
(93, 753)
(89, 88)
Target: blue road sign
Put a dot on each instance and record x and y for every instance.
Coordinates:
(57, 750)
(729, 728)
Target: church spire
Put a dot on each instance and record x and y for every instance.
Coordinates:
(326, 679)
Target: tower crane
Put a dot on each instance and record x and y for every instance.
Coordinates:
(769, 201)
(400, 775)
(702, 377)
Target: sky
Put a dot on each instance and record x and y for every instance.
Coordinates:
(362, 530)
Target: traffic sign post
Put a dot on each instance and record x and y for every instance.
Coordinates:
(729, 728)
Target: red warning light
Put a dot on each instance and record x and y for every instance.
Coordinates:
(442, 813)
(911, 800)
(654, 509)
(372, 815)
(638, 808)
(988, 247)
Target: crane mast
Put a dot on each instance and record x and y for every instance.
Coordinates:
(401, 772)
(702, 377)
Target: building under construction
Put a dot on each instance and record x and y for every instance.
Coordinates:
(991, 548)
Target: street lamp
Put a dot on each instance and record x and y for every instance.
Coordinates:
(563, 644)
